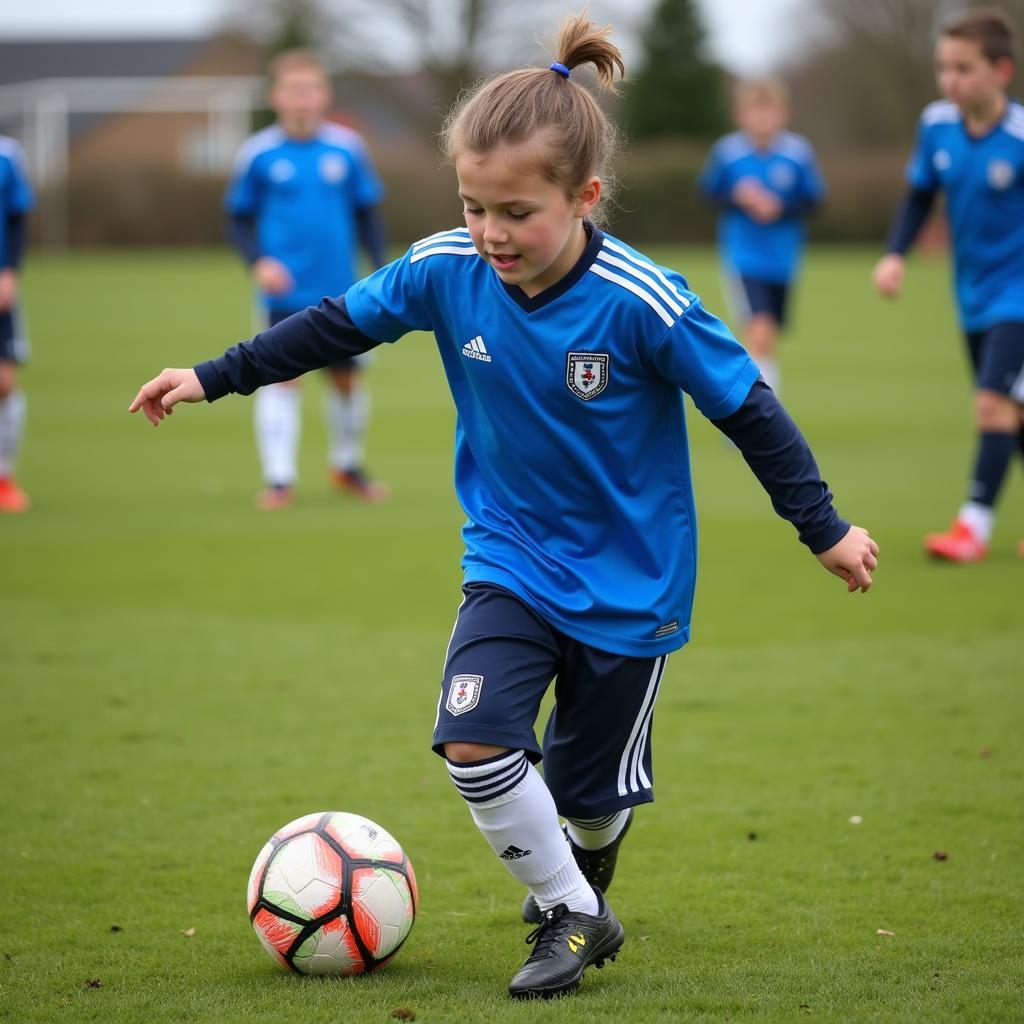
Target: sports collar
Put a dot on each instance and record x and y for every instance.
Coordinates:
(541, 299)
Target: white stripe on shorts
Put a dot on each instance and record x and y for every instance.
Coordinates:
(633, 753)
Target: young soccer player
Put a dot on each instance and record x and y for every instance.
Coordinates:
(970, 146)
(15, 202)
(303, 195)
(567, 353)
(766, 182)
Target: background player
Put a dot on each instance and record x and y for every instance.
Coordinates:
(15, 202)
(766, 181)
(571, 465)
(304, 191)
(970, 145)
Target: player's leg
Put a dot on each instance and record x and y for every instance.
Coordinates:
(597, 750)
(597, 753)
(347, 407)
(12, 412)
(998, 355)
(500, 661)
(766, 302)
(277, 418)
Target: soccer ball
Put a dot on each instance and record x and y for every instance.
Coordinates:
(332, 893)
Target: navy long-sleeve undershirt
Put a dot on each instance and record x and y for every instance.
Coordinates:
(909, 219)
(781, 459)
(14, 246)
(761, 428)
(309, 340)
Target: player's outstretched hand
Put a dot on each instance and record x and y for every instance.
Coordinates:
(888, 275)
(853, 559)
(158, 397)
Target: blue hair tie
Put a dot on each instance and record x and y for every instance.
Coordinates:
(561, 69)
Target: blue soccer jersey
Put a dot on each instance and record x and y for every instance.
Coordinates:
(983, 180)
(589, 375)
(304, 194)
(15, 190)
(766, 252)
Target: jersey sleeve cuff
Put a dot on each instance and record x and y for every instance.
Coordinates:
(212, 380)
(826, 537)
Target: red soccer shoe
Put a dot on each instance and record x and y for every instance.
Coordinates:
(960, 544)
(12, 497)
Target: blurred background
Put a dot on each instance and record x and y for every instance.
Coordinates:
(131, 113)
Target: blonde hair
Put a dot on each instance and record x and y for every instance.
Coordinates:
(518, 106)
(760, 90)
(296, 59)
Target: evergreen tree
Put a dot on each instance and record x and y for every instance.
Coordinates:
(680, 91)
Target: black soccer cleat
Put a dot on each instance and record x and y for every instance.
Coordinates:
(565, 943)
(598, 867)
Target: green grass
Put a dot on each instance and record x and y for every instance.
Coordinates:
(182, 674)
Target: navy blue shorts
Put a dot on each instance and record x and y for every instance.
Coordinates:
(597, 743)
(997, 357)
(275, 316)
(13, 343)
(754, 297)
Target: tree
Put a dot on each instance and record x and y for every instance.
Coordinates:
(679, 92)
(453, 41)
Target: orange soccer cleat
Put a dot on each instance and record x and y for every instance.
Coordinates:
(960, 544)
(356, 482)
(271, 498)
(12, 497)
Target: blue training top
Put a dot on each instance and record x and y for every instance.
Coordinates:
(766, 252)
(15, 191)
(571, 459)
(304, 194)
(983, 179)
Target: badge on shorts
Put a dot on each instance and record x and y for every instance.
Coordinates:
(464, 694)
(586, 374)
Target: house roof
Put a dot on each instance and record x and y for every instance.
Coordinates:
(25, 60)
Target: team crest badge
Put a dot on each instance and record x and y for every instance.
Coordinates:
(942, 161)
(464, 693)
(1000, 173)
(332, 168)
(282, 170)
(586, 374)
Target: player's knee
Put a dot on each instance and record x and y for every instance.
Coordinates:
(345, 380)
(467, 753)
(996, 412)
(8, 378)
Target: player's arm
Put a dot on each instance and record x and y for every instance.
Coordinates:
(781, 459)
(14, 249)
(318, 336)
(370, 226)
(270, 274)
(906, 226)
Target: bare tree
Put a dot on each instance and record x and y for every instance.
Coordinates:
(867, 68)
(453, 40)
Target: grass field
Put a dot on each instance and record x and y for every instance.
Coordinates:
(182, 674)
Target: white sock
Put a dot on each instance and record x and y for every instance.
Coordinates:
(278, 418)
(513, 808)
(347, 419)
(12, 426)
(769, 367)
(980, 518)
(596, 833)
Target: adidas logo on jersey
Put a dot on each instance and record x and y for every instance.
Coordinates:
(476, 349)
(514, 853)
